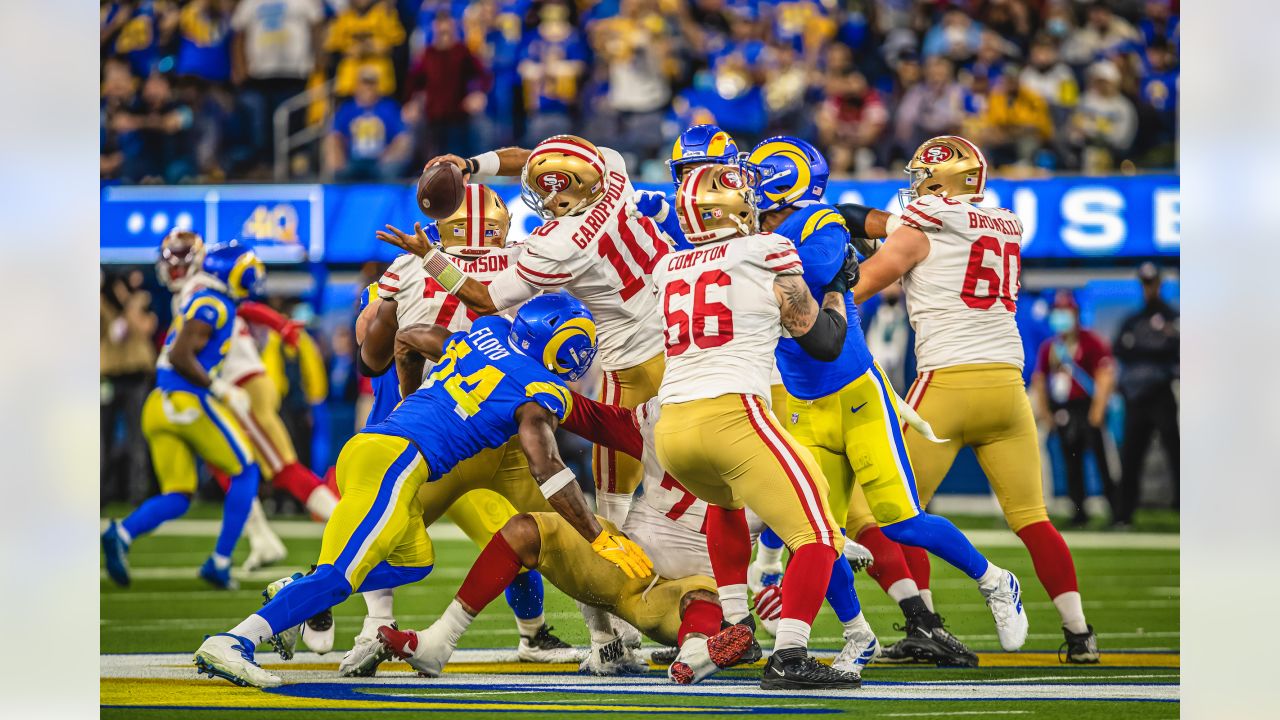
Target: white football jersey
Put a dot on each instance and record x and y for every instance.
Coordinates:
(662, 492)
(243, 358)
(720, 316)
(420, 299)
(961, 298)
(605, 259)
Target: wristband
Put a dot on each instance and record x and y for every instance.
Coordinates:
(556, 483)
(446, 273)
(484, 164)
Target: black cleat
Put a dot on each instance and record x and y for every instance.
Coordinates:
(753, 653)
(1081, 648)
(545, 647)
(928, 645)
(321, 621)
(793, 669)
(665, 656)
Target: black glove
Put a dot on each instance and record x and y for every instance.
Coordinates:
(847, 276)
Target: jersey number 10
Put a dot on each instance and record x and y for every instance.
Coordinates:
(1001, 283)
(684, 328)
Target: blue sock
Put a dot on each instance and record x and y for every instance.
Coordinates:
(155, 512)
(384, 575)
(937, 535)
(235, 509)
(841, 596)
(770, 539)
(524, 595)
(303, 598)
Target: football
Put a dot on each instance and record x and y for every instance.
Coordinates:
(440, 190)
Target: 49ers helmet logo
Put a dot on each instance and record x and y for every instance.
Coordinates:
(553, 181)
(935, 154)
(732, 179)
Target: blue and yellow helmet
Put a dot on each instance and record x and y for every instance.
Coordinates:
(787, 170)
(237, 267)
(702, 144)
(557, 331)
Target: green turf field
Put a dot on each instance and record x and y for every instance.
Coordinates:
(1129, 581)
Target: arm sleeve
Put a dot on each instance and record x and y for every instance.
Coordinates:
(510, 288)
(541, 267)
(256, 313)
(607, 425)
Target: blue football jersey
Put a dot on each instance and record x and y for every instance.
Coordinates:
(470, 398)
(820, 237)
(209, 306)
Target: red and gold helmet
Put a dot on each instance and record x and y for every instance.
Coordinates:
(949, 166)
(564, 175)
(479, 225)
(715, 202)
(181, 255)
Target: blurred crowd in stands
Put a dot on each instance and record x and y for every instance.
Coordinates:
(190, 87)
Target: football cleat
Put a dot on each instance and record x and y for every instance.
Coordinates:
(859, 556)
(860, 648)
(285, 642)
(794, 669)
(1005, 603)
(1081, 648)
(364, 657)
(317, 632)
(116, 552)
(928, 645)
(702, 657)
(613, 658)
(230, 657)
(544, 647)
(219, 578)
(264, 550)
(753, 652)
(631, 637)
(665, 656)
(427, 651)
(758, 576)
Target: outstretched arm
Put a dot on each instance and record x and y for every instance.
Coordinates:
(415, 345)
(903, 250)
(609, 425)
(820, 332)
(504, 162)
(473, 293)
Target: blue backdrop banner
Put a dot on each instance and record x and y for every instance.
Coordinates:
(1065, 218)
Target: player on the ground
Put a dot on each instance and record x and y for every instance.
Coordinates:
(725, 304)
(189, 415)
(593, 249)
(476, 238)
(960, 266)
(501, 378)
(846, 413)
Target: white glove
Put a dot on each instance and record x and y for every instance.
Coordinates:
(648, 203)
(233, 396)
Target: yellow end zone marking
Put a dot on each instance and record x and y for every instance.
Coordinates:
(220, 694)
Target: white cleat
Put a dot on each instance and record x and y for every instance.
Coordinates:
(631, 637)
(426, 651)
(613, 658)
(544, 647)
(317, 632)
(860, 648)
(284, 642)
(859, 556)
(760, 575)
(1005, 602)
(231, 657)
(363, 659)
(264, 551)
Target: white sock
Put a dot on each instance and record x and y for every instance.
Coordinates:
(255, 525)
(254, 627)
(859, 622)
(992, 577)
(768, 557)
(1072, 612)
(222, 562)
(613, 506)
(733, 601)
(379, 602)
(529, 628)
(321, 502)
(791, 633)
(927, 596)
(598, 624)
(903, 589)
(124, 535)
(456, 620)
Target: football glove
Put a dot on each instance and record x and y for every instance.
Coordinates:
(648, 203)
(769, 602)
(621, 551)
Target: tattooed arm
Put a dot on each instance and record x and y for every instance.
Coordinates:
(820, 332)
